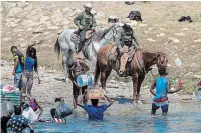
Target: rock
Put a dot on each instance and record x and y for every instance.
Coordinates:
(145, 32)
(199, 40)
(142, 25)
(57, 17)
(43, 19)
(21, 39)
(7, 39)
(65, 22)
(197, 76)
(38, 30)
(179, 34)
(28, 8)
(26, 22)
(67, 10)
(12, 25)
(186, 29)
(14, 11)
(22, 4)
(151, 40)
(22, 45)
(11, 5)
(175, 40)
(100, 15)
(151, 28)
(160, 35)
(53, 27)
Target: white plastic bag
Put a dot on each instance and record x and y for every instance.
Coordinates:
(178, 62)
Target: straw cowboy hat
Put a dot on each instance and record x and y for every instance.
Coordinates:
(88, 5)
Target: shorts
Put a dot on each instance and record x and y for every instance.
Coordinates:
(157, 105)
(76, 90)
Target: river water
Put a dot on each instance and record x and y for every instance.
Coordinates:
(126, 118)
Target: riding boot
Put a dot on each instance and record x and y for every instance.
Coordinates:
(79, 47)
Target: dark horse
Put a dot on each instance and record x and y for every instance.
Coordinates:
(140, 65)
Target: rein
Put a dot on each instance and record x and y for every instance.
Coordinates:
(114, 34)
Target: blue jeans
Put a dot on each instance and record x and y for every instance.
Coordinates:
(18, 80)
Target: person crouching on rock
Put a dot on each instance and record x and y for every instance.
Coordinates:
(77, 68)
(162, 85)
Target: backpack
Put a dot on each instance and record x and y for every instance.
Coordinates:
(20, 58)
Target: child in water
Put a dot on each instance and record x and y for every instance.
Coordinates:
(162, 85)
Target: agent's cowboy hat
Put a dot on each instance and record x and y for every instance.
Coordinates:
(88, 5)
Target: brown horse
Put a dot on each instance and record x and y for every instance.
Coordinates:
(139, 65)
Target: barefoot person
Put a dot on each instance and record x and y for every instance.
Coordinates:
(78, 67)
(35, 106)
(18, 122)
(94, 111)
(18, 58)
(29, 65)
(162, 85)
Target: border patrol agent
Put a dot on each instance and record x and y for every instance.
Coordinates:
(85, 21)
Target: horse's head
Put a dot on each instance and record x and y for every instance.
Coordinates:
(161, 60)
(117, 29)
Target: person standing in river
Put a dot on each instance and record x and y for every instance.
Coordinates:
(162, 85)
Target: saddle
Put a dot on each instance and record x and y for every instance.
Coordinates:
(75, 38)
(115, 59)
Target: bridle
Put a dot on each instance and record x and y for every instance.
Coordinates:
(159, 61)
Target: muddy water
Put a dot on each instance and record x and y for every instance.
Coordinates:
(182, 117)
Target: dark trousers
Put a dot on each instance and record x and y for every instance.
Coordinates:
(82, 40)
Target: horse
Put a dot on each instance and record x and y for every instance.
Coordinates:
(98, 39)
(139, 66)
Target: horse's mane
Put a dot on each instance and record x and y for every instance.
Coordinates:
(102, 32)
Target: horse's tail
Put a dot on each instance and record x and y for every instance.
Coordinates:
(57, 47)
(97, 72)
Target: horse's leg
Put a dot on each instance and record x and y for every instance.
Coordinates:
(135, 85)
(103, 79)
(140, 80)
(64, 63)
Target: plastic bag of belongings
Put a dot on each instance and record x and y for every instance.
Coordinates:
(129, 2)
(113, 19)
(135, 15)
(185, 18)
(10, 93)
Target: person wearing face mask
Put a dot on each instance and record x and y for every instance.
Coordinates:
(86, 22)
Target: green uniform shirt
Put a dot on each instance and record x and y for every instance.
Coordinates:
(86, 20)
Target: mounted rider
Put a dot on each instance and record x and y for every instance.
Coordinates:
(126, 45)
(86, 23)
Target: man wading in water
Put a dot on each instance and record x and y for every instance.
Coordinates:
(162, 85)
(77, 68)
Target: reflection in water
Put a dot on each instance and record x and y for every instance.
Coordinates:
(180, 118)
(161, 124)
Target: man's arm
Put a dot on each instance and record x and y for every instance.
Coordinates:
(152, 88)
(109, 100)
(172, 91)
(85, 66)
(15, 63)
(41, 109)
(31, 128)
(78, 19)
(94, 22)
